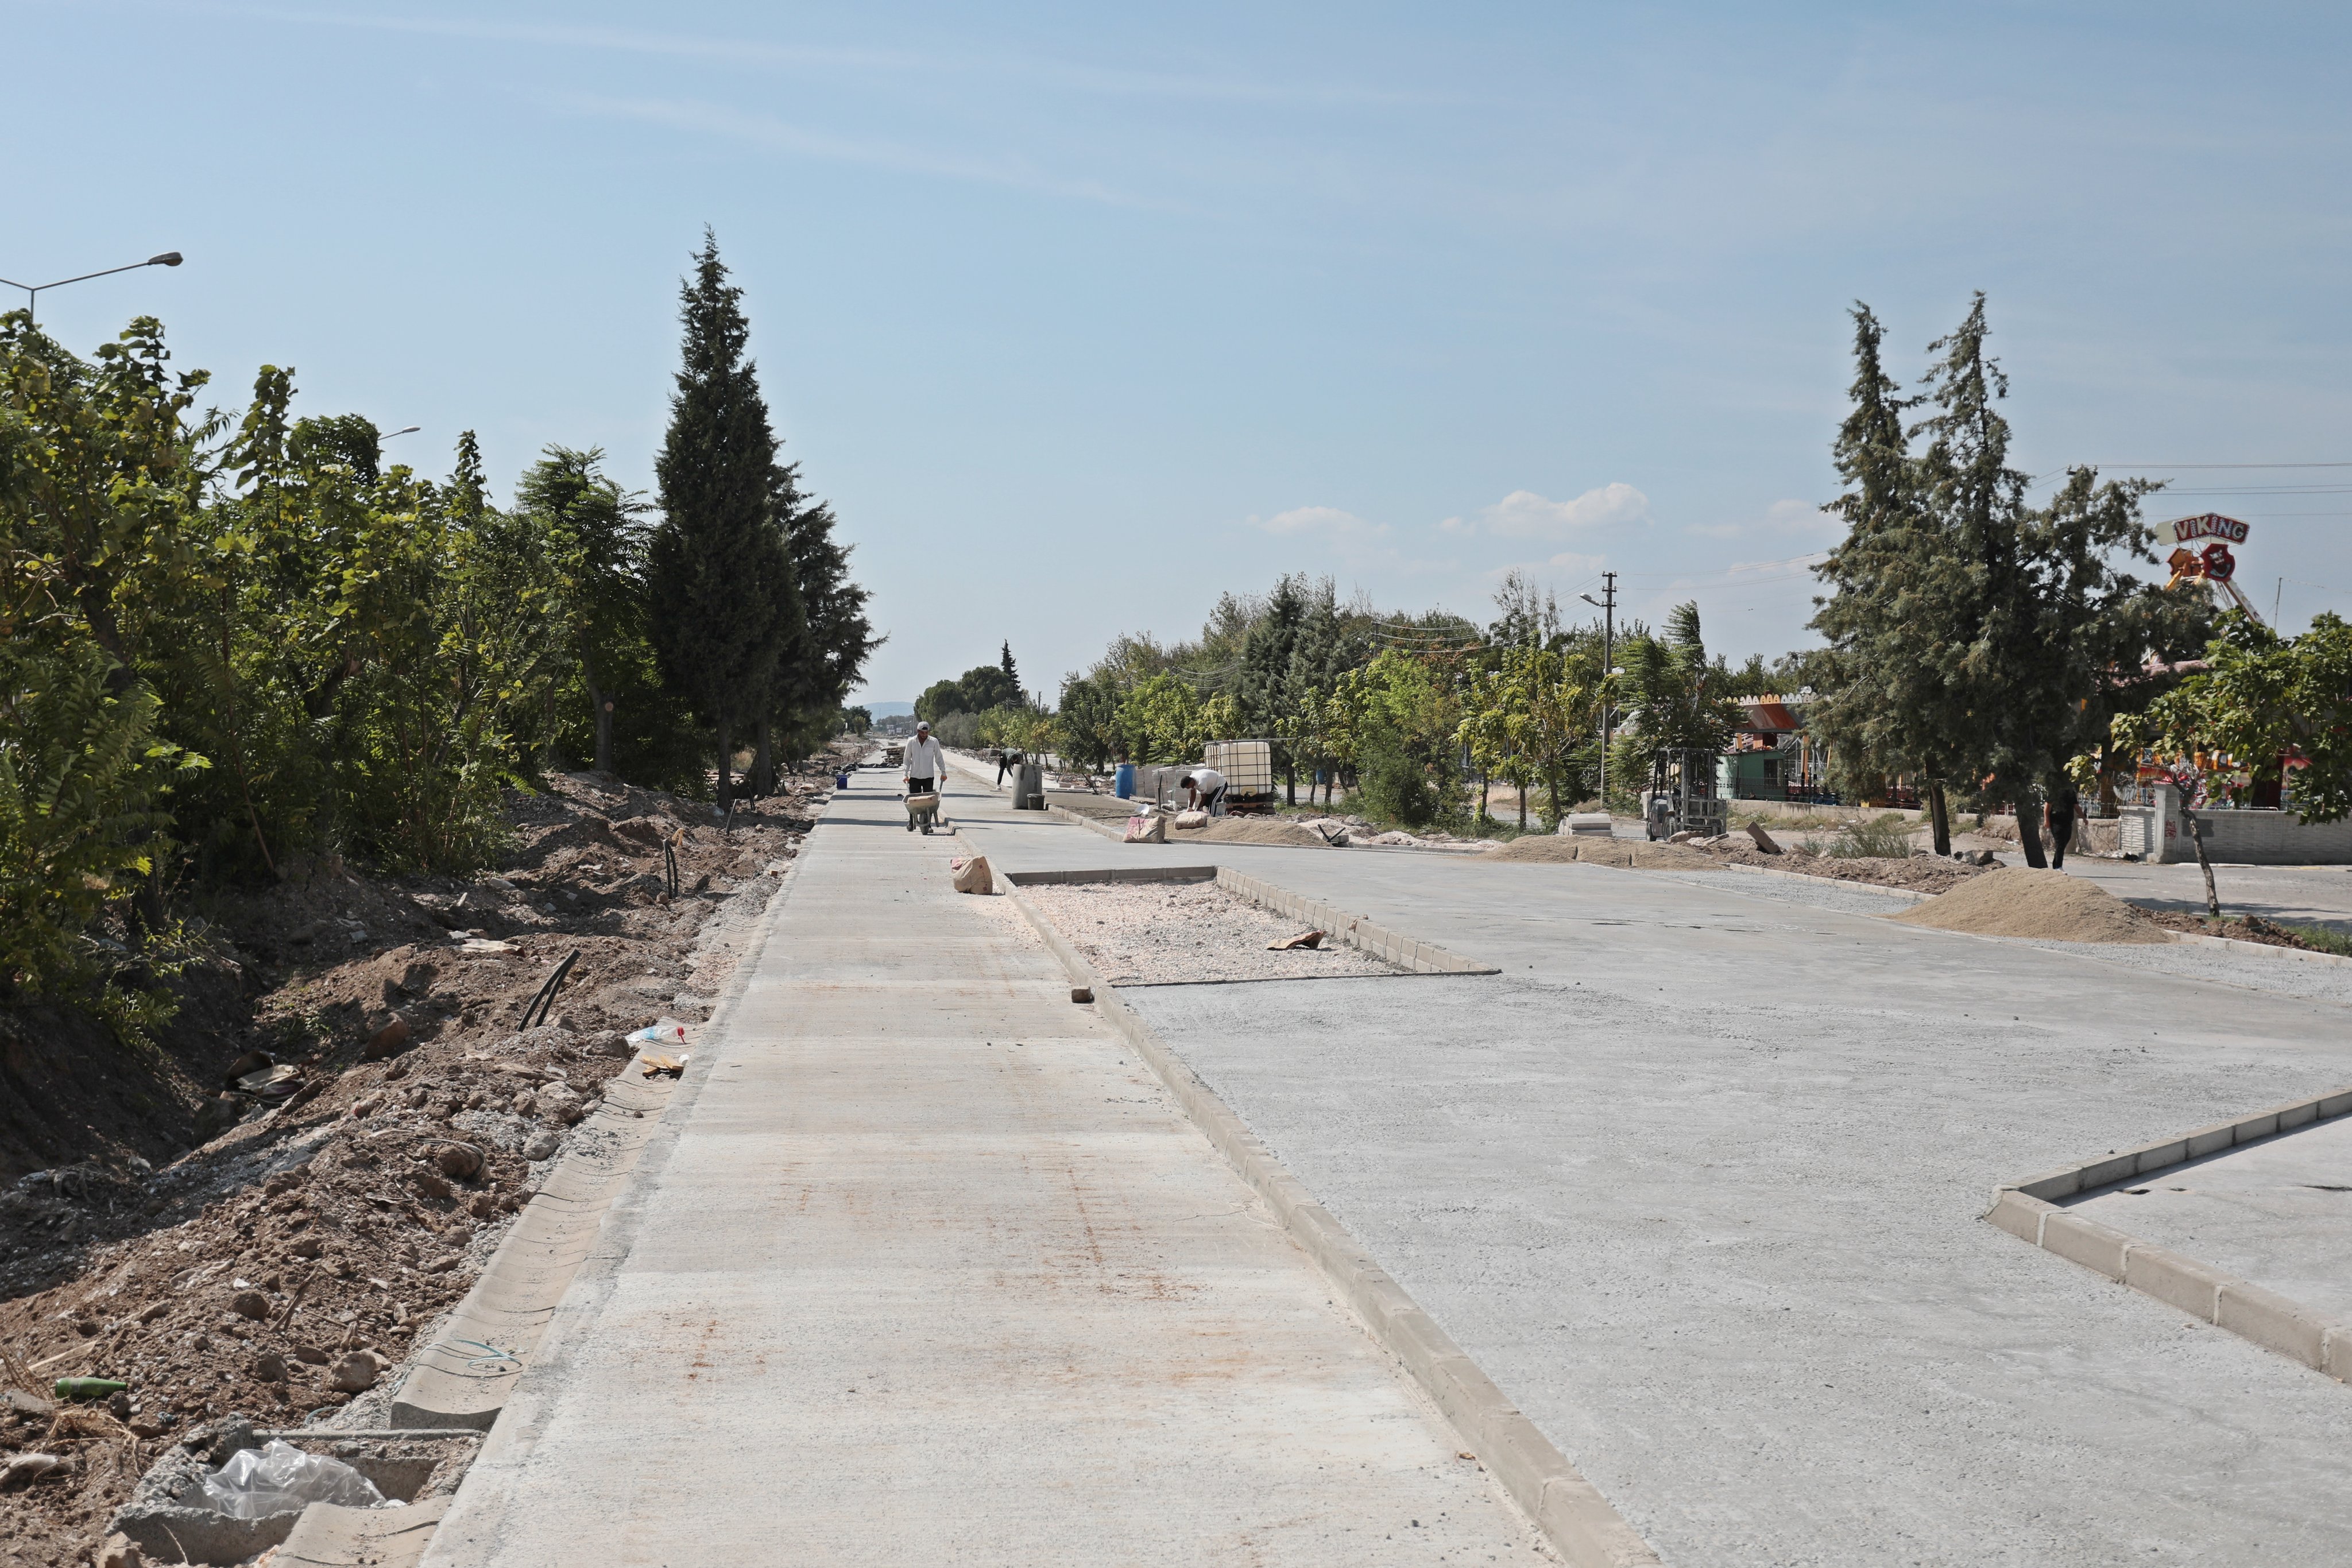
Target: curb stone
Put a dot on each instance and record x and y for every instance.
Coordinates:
(2026, 1209)
(1570, 1512)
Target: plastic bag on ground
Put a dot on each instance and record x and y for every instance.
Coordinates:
(280, 1478)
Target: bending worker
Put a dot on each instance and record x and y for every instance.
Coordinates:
(1207, 787)
(926, 762)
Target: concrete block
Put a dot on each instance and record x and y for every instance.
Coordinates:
(2156, 1156)
(1576, 1516)
(2174, 1281)
(2113, 1168)
(2086, 1242)
(2272, 1322)
(2337, 1351)
(2017, 1213)
(2051, 1185)
(2298, 1115)
(2335, 1104)
(2211, 1139)
(2254, 1127)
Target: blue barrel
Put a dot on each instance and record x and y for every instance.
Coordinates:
(1125, 787)
(841, 780)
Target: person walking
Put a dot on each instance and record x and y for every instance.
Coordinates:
(925, 765)
(2060, 814)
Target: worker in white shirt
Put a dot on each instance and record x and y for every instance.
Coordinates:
(1208, 790)
(926, 764)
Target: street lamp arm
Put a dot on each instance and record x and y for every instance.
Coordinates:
(86, 277)
(33, 290)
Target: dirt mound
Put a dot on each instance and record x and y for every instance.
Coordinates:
(1915, 874)
(1636, 854)
(1247, 831)
(2049, 905)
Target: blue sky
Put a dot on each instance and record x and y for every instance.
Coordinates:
(1080, 315)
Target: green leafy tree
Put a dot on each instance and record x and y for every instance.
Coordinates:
(977, 690)
(837, 637)
(1160, 720)
(1262, 693)
(1971, 633)
(2263, 700)
(586, 516)
(720, 580)
(1678, 699)
(81, 776)
(1404, 717)
(1089, 719)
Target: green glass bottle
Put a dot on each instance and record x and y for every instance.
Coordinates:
(88, 1388)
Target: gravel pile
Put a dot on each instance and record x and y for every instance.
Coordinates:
(1158, 933)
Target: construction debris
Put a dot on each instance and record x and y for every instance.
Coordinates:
(1763, 840)
(1304, 939)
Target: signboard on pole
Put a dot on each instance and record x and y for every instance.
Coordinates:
(2208, 525)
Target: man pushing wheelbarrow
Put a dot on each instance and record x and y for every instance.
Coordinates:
(926, 770)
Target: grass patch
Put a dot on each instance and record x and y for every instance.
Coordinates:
(1882, 838)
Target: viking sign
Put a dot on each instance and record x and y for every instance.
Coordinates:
(2211, 526)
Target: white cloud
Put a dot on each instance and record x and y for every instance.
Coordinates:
(1567, 564)
(1793, 518)
(1524, 515)
(1328, 521)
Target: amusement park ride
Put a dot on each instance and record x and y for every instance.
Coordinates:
(2213, 567)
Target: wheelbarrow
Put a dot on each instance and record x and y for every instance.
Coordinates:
(923, 811)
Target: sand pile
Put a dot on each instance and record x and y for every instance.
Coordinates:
(2049, 905)
(1247, 831)
(1637, 854)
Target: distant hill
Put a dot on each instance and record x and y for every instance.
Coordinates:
(888, 710)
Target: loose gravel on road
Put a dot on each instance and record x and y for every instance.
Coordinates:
(1158, 933)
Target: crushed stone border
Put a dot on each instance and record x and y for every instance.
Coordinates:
(1377, 941)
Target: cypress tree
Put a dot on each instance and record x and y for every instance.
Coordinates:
(720, 581)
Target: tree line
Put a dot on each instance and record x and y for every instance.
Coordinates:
(233, 643)
(1998, 650)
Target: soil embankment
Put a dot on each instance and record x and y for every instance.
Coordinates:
(345, 1208)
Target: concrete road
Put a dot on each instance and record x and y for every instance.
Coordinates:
(2316, 895)
(924, 1266)
(1697, 1180)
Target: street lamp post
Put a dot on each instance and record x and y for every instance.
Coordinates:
(33, 290)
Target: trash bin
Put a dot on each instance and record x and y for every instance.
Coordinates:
(1124, 786)
(1029, 786)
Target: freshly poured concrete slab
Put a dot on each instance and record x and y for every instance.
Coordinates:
(2276, 1214)
(1698, 1179)
(925, 1267)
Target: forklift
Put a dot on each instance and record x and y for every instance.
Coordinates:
(1685, 795)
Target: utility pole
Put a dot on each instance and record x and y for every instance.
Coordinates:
(1607, 605)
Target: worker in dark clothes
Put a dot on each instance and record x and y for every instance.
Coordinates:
(2059, 814)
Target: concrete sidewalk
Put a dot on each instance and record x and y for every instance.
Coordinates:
(925, 1267)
